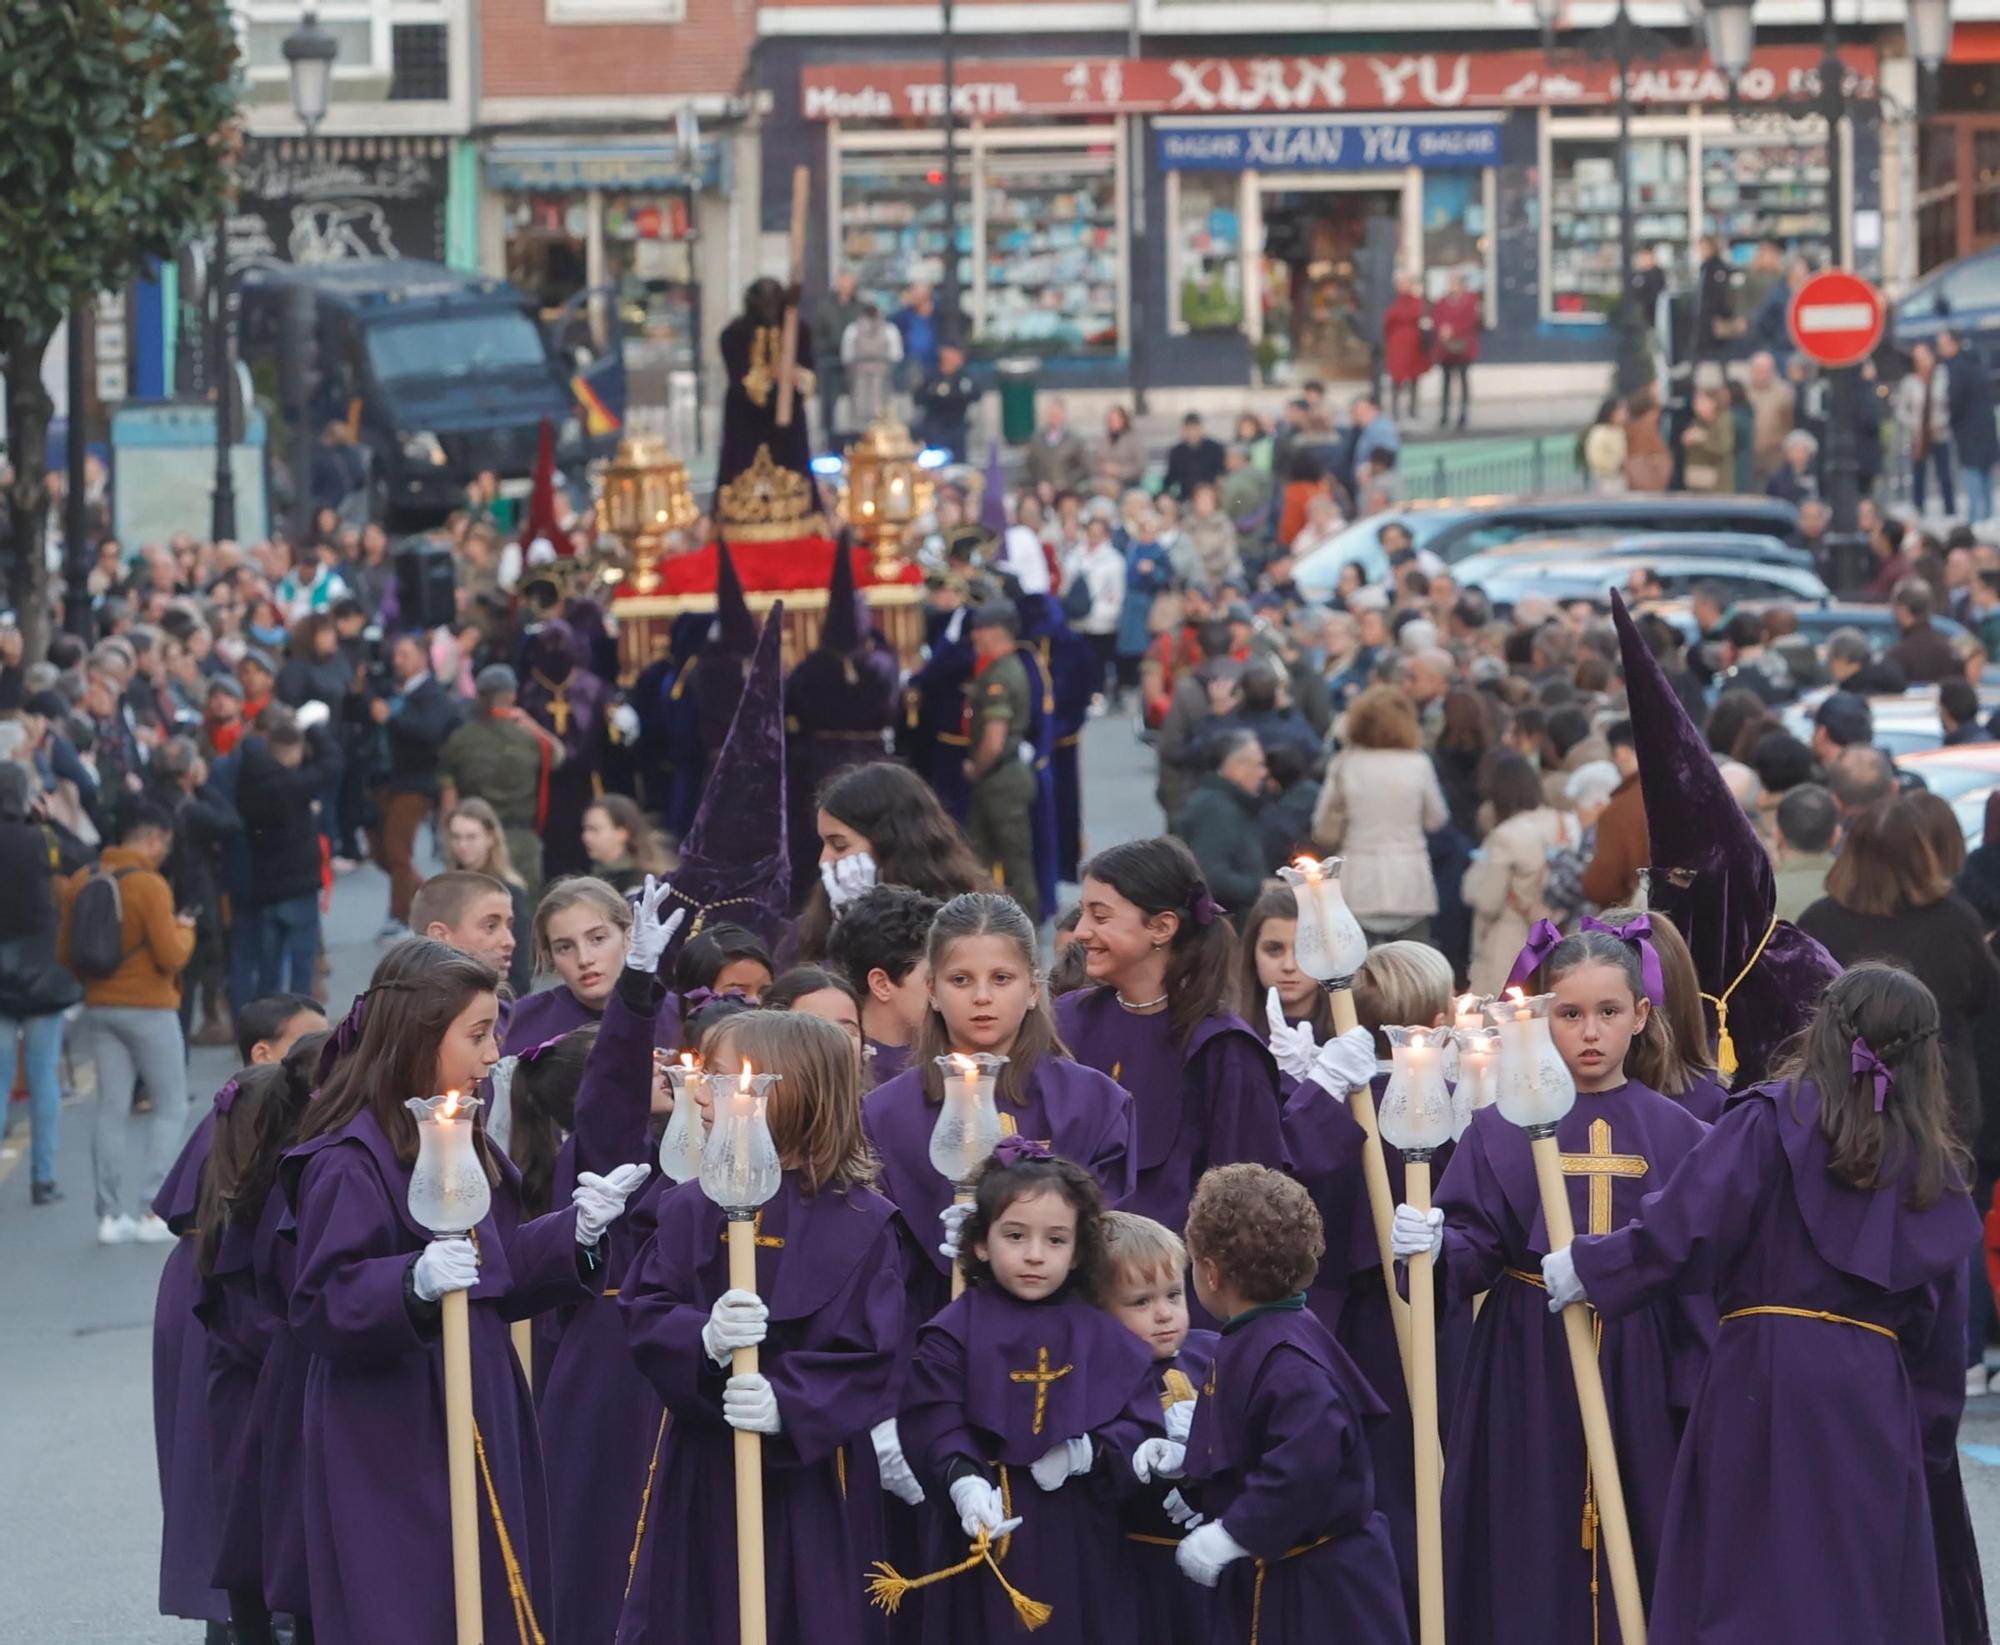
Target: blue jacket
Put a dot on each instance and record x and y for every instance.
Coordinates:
(1147, 574)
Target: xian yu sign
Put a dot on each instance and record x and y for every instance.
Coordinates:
(1373, 145)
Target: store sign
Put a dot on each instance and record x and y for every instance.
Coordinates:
(1372, 145)
(339, 199)
(997, 89)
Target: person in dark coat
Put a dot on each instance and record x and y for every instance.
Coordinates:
(415, 717)
(204, 822)
(752, 346)
(1196, 461)
(1969, 389)
(563, 696)
(34, 990)
(1219, 821)
(1924, 653)
(282, 773)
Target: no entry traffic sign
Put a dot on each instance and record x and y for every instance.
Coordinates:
(1836, 318)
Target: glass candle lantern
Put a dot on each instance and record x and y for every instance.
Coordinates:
(968, 1123)
(739, 1164)
(1535, 1089)
(1415, 1114)
(1330, 944)
(681, 1141)
(449, 1191)
(1478, 1074)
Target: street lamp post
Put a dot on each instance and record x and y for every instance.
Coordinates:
(1732, 36)
(948, 294)
(1622, 43)
(309, 54)
(222, 520)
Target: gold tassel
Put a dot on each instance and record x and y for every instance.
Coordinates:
(887, 1587)
(1725, 1047)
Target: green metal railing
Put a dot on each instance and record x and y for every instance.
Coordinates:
(1524, 466)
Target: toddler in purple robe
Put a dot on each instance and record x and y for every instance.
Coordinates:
(1277, 1459)
(827, 1316)
(1145, 1290)
(1827, 1214)
(877, 943)
(1024, 1407)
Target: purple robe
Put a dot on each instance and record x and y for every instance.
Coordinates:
(1324, 1148)
(1514, 1481)
(557, 672)
(838, 712)
(995, 1383)
(1217, 1104)
(377, 1513)
(834, 1288)
(551, 1012)
(239, 1337)
(1705, 1098)
(1079, 1113)
(599, 1417)
(1172, 1610)
(1279, 1456)
(1801, 1502)
(180, 1403)
(885, 1062)
(278, 1412)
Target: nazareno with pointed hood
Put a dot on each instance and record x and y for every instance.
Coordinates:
(842, 630)
(718, 670)
(541, 520)
(993, 499)
(1712, 876)
(734, 864)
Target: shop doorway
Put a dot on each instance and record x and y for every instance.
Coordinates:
(1330, 255)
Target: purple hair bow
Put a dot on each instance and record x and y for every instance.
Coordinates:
(1637, 932)
(1205, 909)
(1013, 1149)
(1863, 1061)
(342, 1041)
(225, 1099)
(1541, 943)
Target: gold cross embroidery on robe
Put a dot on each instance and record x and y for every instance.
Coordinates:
(770, 1242)
(1600, 1165)
(1041, 1376)
(558, 702)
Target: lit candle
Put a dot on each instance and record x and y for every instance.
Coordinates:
(1329, 944)
(1468, 1013)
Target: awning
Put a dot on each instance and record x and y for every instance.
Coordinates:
(559, 168)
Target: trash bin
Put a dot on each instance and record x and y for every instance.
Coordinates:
(1017, 400)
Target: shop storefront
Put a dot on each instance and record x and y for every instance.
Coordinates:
(1194, 219)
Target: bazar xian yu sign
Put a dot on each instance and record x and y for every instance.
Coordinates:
(1371, 145)
(1368, 82)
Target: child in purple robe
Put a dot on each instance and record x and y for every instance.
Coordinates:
(1145, 1290)
(1405, 984)
(1266, 948)
(1517, 1493)
(365, 1306)
(1277, 1460)
(1024, 1407)
(1158, 1020)
(877, 943)
(580, 930)
(827, 1316)
(1686, 1066)
(257, 1118)
(1827, 1214)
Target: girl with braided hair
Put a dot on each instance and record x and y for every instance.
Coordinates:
(1816, 1495)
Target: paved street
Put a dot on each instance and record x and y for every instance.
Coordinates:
(79, 1506)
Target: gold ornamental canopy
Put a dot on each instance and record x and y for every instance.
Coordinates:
(885, 491)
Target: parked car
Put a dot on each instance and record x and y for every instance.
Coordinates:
(1633, 551)
(1455, 531)
(1964, 776)
(1592, 578)
(1904, 724)
(1963, 296)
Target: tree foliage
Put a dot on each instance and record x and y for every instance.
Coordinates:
(112, 152)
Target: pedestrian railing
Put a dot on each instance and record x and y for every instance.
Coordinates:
(1530, 466)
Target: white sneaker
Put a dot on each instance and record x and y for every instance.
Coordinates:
(1976, 1384)
(118, 1230)
(150, 1230)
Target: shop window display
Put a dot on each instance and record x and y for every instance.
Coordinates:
(1209, 246)
(1754, 190)
(1456, 239)
(892, 226)
(1052, 251)
(1583, 218)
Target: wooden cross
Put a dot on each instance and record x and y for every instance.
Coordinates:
(1600, 1165)
(1041, 1376)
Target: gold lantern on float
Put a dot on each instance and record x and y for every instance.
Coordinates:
(644, 497)
(885, 491)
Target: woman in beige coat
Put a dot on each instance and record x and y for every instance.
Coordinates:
(1380, 800)
(1503, 887)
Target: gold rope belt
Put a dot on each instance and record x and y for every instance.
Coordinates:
(887, 1587)
(1812, 1313)
(1525, 1277)
(1257, 1587)
(517, 1588)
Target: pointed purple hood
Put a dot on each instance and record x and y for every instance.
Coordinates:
(842, 631)
(993, 499)
(738, 627)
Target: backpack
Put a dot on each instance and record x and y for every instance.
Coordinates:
(1076, 600)
(97, 926)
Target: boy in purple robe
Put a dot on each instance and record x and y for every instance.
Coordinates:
(1024, 1407)
(877, 943)
(1160, 954)
(365, 1306)
(827, 1316)
(1828, 1216)
(1517, 1491)
(1277, 1460)
(1145, 1290)
(560, 693)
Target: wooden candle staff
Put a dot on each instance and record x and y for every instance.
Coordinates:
(1535, 1092)
(967, 1130)
(1416, 1120)
(740, 1172)
(449, 1195)
(1330, 946)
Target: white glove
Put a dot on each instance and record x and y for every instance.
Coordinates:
(1559, 1275)
(445, 1265)
(1414, 1231)
(1292, 1048)
(738, 1320)
(980, 1508)
(1054, 1466)
(1179, 1420)
(1159, 1459)
(898, 1478)
(600, 1201)
(848, 878)
(650, 933)
(953, 1217)
(624, 720)
(1204, 1551)
(1345, 1063)
(750, 1404)
(309, 714)
(1179, 1511)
